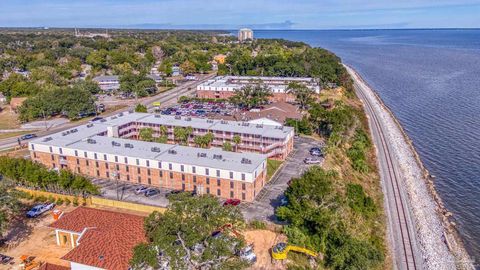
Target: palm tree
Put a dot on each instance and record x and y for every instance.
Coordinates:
(237, 140)
(251, 96)
(303, 94)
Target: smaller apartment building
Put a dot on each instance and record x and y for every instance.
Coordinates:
(223, 87)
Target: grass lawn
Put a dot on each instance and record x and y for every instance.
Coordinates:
(8, 119)
(5, 135)
(272, 167)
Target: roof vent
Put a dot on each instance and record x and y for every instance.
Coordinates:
(217, 156)
(224, 122)
(65, 133)
(246, 161)
(201, 154)
(209, 121)
(47, 139)
(91, 141)
(259, 126)
(113, 117)
(128, 145)
(155, 149)
(73, 130)
(103, 120)
(245, 124)
(157, 115)
(120, 114)
(188, 119)
(178, 117)
(89, 125)
(116, 143)
(173, 152)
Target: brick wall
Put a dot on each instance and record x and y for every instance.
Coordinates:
(163, 178)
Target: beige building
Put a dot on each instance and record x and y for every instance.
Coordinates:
(245, 34)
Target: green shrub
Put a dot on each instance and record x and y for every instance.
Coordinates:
(40, 198)
(51, 199)
(59, 201)
(258, 225)
(75, 201)
(67, 201)
(358, 200)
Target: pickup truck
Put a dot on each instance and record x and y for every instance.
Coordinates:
(39, 209)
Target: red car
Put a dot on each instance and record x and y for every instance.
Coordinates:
(233, 202)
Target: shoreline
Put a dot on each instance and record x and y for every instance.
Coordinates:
(449, 233)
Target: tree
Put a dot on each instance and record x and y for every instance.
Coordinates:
(303, 94)
(146, 134)
(250, 96)
(182, 236)
(9, 205)
(204, 141)
(163, 138)
(141, 108)
(181, 134)
(237, 140)
(227, 146)
(187, 67)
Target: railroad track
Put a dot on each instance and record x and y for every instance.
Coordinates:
(408, 260)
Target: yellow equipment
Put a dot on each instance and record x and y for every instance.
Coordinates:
(280, 251)
(156, 104)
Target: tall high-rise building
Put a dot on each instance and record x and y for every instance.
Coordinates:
(245, 34)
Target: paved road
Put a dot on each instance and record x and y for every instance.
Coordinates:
(263, 208)
(401, 229)
(165, 98)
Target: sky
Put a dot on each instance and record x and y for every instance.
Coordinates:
(229, 14)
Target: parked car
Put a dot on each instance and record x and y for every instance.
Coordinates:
(248, 254)
(39, 209)
(232, 202)
(151, 192)
(141, 189)
(316, 153)
(98, 118)
(173, 192)
(28, 136)
(312, 161)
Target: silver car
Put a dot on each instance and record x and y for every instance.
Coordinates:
(312, 161)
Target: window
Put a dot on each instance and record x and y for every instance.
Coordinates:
(139, 179)
(53, 165)
(87, 163)
(98, 173)
(194, 170)
(126, 168)
(170, 166)
(183, 177)
(126, 160)
(231, 184)
(95, 155)
(148, 163)
(53, 157)
(78, 169)
(243, 176)
(161, 173)
(194, 179)
(231, 175)
(60, 149)
(85, 154)
(78, 161)
(148, 171)
(107, 174)
(243, 186)
(116, 158)
(104, 157)
(218, 182)
(106, 165)
(208, 181)
(207, 171)
(182, 168)
(218, 173)
(149, 181)
(35, 154)
(117, 167)
(159, 164)
(51, 150)
(96, 164)
(128, 177)
(138, 170)
(231, 194)
(33, 146)
(76, 153)
(171, 175)
(208, 190)
(219, 192)
(183, 186)
(243, 196)
(137, 161)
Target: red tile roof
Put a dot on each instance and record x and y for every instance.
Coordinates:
(50, 266)
(108, 240)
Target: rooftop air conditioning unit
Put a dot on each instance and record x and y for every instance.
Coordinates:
(217, 156)
(47, 139)
(173, 152)
(246, 161)
(91, 141)
(128, 145)
(116, 144)
(155, 149)
(89, 125)
(201, 154)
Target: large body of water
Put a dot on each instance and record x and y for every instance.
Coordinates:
(431, 81)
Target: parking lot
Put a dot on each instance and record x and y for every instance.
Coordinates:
(201, 109)
(263, 208)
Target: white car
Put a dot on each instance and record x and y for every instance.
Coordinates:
(141, 189)
(39, 209)
(312, 161)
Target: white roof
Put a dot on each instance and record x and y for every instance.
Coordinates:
(265, 121)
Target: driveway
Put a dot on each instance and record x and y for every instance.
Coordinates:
(263, 208)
